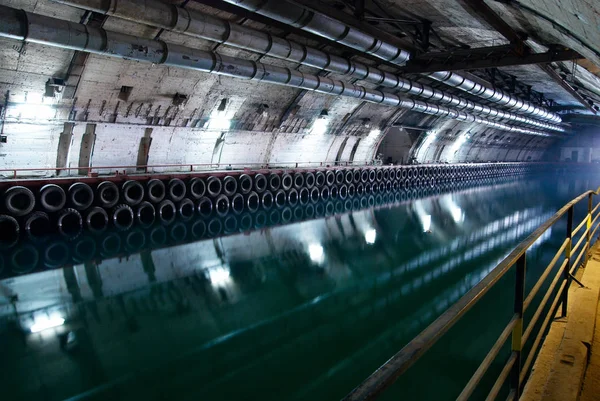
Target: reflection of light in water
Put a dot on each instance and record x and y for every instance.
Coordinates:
(44, 322)
(426, 221)
(219, 276)
(455, 211)
(424, 217)
(370, 236)
(315, 251)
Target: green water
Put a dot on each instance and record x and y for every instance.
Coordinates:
(303, 311)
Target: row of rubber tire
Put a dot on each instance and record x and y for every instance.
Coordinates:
(54, 253)
(53, 209)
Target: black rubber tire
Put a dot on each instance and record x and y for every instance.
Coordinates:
(260, 183)
(122, 217)
(9, 231)
(252, 201)
(176, 190)
(186, 209)
(52, 198)
(245, 184)
(96, 220)
(38, 226)
(319, 179)
(348, 177)
(364, 176)
(230, 185)
(372, 175)
(155, 190)
(56, 254)
(315, 194)
(325, 193)
(339, 177)
(204, 206)
(166, 212)
(342, 191)
(274, 182)
(356, 176)
(309, 180)
(267, 199)
(69, 222)
(280, 198)
(214, 186)
(81, 196)
(334, 192)
(107, 194)
(237, 203)
(286, 181)
(329, 178)
(18, 201)
(222, 205)
(197, 188)
(298, 180)
(351, 190)
(292, 197)
(303, 196)
(132, 192)
(145, 214)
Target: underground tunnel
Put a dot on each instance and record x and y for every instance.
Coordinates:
(299, 199)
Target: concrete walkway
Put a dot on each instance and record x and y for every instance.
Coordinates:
(568, 365)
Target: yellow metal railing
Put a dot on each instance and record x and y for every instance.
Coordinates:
(514, 370)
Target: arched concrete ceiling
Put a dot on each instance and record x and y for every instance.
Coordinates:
(269, 123)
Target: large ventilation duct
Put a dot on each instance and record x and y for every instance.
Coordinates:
(35, 28)
(197, 24)
(327, 27)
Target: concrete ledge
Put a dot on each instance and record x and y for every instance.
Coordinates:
(560, 367)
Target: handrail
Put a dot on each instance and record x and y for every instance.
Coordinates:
(387, 374)
(199, 167)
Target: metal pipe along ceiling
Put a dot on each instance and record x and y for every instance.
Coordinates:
(36, 28)
(197, 24)
(327, 27)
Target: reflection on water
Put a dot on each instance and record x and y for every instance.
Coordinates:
(304, 310)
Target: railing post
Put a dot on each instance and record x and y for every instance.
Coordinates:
(517, 334)
(567, 275)
(589, 229)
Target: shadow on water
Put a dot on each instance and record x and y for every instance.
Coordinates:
(296, 303)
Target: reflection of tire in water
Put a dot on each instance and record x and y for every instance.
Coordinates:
(198, 229)
(135, 240)
(24, 259)
(231, 224)
(158, 236)
(245, 222)
(214, 227)
(84, 249)
(286, 215)
(260, 219)
(178, 232)
(56, 254)
(110, 245)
